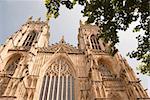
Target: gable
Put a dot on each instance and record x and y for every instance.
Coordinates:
(60, 48)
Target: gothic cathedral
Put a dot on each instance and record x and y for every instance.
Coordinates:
(33, 69)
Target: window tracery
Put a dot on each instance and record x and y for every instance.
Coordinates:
(12, 65)
(103, 68)
(114, 96)
(94, 42)
(10, 69)
(59, 67)
(29, 39)
(58, 83)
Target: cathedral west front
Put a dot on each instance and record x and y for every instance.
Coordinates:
(33, 69)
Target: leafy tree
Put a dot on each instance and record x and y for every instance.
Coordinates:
(111, 16)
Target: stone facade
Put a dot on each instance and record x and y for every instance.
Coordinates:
(31, 69)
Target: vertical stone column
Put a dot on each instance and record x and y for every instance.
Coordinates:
(71, 88)
(53, 88)
(44, 87)
(62, 88)
(49, 89)
(67, 87)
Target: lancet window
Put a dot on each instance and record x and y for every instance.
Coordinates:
(58, 83)
(94, 42)
(29, 39)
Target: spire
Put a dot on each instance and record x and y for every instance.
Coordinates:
(29, 19)
(1, 58)
(38, 19)
(49, 16)
(81, 23)
(47, 21)
(62, 40)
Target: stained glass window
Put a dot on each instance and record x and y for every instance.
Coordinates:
(58, 83)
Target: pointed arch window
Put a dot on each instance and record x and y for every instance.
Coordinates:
(10, 68)
(103, 68)
(12, 64)
(94, 42)
(29, 39)
(58, 83)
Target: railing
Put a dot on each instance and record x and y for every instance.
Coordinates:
(143, 98)
(102, 98)
(7, 97)
(20, 48)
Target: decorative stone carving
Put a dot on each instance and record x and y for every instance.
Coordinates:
(61, 70)
(59, 67)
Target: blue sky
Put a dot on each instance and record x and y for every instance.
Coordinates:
(14, 13)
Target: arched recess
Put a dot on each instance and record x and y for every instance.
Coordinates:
(109, 63)
(114, 96)
(9, 70)
(103, 68)
(12, 64)
(98, 91)
(94, 42)
(58, 80)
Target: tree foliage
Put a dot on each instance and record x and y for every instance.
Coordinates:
(111, 16)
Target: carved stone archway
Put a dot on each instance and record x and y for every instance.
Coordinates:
(58, 82)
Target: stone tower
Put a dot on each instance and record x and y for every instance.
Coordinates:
(31, 69)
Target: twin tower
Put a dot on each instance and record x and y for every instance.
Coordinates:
(33, 69)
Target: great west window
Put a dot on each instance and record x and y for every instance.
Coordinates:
(58, 82)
